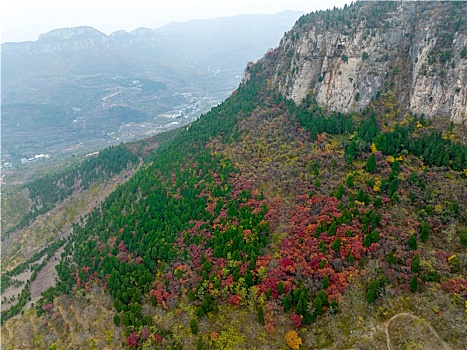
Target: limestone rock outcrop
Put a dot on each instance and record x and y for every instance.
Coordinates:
(347, 57)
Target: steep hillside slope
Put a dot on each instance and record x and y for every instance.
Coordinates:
(272, 224)
(415, 50)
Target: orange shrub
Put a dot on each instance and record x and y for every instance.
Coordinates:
(293, 340)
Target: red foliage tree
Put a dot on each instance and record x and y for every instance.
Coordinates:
(132, 341)
(145, 333)
(296, 320)
(234, 299)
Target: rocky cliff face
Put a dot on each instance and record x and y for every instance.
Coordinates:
(346, 58)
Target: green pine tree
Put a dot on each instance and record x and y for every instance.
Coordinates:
(280, 287)
(412, 242)
(260, 315)
(314, 133)
(361, 196)
(349, 182)
(332, 229)
(194, 326)
(391, 259)
(340, 191)
(336, 245)
(287, 302)
(117, 320)
(413, 284)
(371, 163)
(302, 303)
(325, 282)
(424, 231)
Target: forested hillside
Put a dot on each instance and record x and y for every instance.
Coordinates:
(270, 224)
(46, 192)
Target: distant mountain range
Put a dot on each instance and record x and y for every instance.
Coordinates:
(77, 88)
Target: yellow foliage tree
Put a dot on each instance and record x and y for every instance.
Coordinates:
(377, 186)
(293, 340)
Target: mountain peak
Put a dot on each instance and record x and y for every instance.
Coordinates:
(72, 32)
(119, 33)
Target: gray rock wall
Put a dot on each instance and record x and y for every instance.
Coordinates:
(398, 51)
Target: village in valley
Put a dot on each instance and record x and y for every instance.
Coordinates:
(191, 106)
(24, 161)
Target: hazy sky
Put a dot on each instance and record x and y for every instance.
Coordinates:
(24, 20)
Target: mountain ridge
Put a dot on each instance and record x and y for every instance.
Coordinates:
(88, 32)
(267, 223)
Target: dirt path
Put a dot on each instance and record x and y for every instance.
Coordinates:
(45, 278)
(432, 330)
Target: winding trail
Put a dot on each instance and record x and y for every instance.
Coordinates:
(388, 339)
